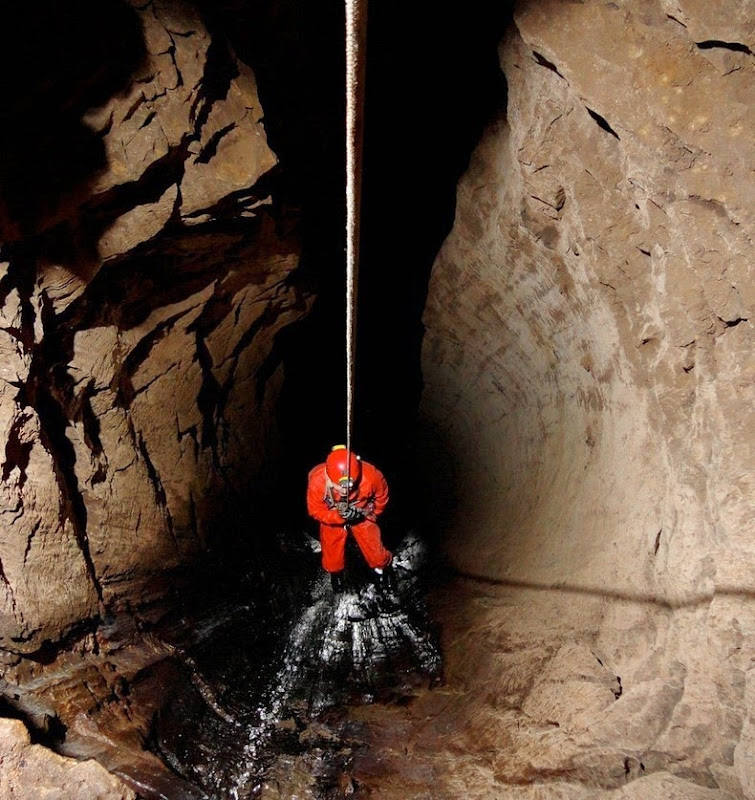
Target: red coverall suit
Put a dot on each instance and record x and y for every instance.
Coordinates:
(370, 494)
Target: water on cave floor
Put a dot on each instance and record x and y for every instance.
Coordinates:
(274, 727)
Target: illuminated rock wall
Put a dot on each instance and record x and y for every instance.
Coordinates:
(589, 369)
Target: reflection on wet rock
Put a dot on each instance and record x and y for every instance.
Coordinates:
(249, 724)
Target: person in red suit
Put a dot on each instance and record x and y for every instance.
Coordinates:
(347, 495)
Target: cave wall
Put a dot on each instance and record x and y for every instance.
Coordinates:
(589, 367)
(144, 278)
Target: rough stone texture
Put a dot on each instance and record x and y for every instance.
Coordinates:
(143, 280)
(589, 368)
(138, 310)
(528, 710)
(31, 772)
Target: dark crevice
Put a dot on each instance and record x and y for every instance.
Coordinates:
(138, 103)
(219, 72)
(213, 396)
(51, 733)
(48, 382)
(208, 400)
(105, 208)
(211, 148)
(17, 452)
(11, 593)
(148, 119)
(66, 642)
(77, 243)
(674, 19)
(231, 206)
(53, 424)
(193, 520)
(30, 539)
(181, 34)
(602, 123)
(737, 47)
(157, 486)
(276, 355)
(543, 62)
(20, 276)
(142, 350)
(83, 413)
(172, 53)
(171, 268)
(732, 323)
(272, 312)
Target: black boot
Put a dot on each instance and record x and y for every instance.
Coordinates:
(386, 580)
(336, 582)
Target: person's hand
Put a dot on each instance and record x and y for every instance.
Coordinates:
(350, 513)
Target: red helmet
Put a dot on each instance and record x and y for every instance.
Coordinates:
(340, 465)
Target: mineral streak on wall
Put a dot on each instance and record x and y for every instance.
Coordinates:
(589, 365)
(142, 283)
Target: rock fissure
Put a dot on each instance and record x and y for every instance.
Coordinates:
(158, 489)
(602, 123)
(210, 149)
(676, 19)
(17, 452)
(737, 47)
(220, 71)
(52, 436)
(30, 539)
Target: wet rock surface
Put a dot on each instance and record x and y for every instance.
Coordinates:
(241, 693)
(528, 709)
(283, 727)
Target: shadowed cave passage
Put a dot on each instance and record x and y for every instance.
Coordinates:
(52, 73)
(573, 274)
(144, 381)
(433, 82)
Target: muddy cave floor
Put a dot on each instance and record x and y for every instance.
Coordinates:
(319, 696)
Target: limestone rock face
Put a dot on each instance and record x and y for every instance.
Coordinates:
(31, 771)
(139, 303)
(589, 366)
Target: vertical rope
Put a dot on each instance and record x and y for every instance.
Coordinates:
(356, 41)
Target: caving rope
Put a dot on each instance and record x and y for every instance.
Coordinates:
(356, 42)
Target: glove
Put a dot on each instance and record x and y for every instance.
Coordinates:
(350, 513)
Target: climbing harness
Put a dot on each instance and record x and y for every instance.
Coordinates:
(356, 42)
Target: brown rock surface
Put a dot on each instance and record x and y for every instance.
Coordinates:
(589, 369)
(31, 772)
(588, 366)
(143, 280)
(136, 326)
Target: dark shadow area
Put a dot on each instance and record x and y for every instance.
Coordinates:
(56, 61)
(433, 81)
(266, 673)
